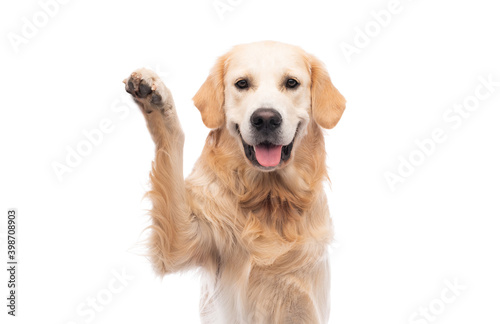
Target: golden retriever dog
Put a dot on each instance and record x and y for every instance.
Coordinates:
(253, 214)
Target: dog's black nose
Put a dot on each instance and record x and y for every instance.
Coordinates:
(266, 119)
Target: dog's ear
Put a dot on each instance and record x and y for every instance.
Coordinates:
(210, 97)
(327, 104)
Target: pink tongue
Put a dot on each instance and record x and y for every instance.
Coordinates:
(268, 155)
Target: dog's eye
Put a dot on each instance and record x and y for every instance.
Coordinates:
(291, 83)
(242, 84)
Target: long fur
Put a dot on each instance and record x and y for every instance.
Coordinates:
(260, 238)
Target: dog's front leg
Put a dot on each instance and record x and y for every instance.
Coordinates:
(178, 239)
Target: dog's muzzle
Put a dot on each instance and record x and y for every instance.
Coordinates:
(270, 153)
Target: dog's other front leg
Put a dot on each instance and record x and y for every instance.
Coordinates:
(178, 239)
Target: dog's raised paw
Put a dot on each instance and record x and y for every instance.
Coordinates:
(146, 87)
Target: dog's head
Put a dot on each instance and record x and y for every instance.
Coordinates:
(266, 94)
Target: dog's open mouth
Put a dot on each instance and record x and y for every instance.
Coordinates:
(266, 154)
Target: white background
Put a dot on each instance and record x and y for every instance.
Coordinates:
(395, 250)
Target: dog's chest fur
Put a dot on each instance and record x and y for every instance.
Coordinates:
(272, 233)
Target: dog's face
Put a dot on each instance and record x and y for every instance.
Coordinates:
(266, 93)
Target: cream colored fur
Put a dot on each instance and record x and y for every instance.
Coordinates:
(260, 238)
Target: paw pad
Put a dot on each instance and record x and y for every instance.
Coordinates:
(142, 88)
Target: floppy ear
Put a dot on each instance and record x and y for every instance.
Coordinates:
(210, 97)
(327, 104)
